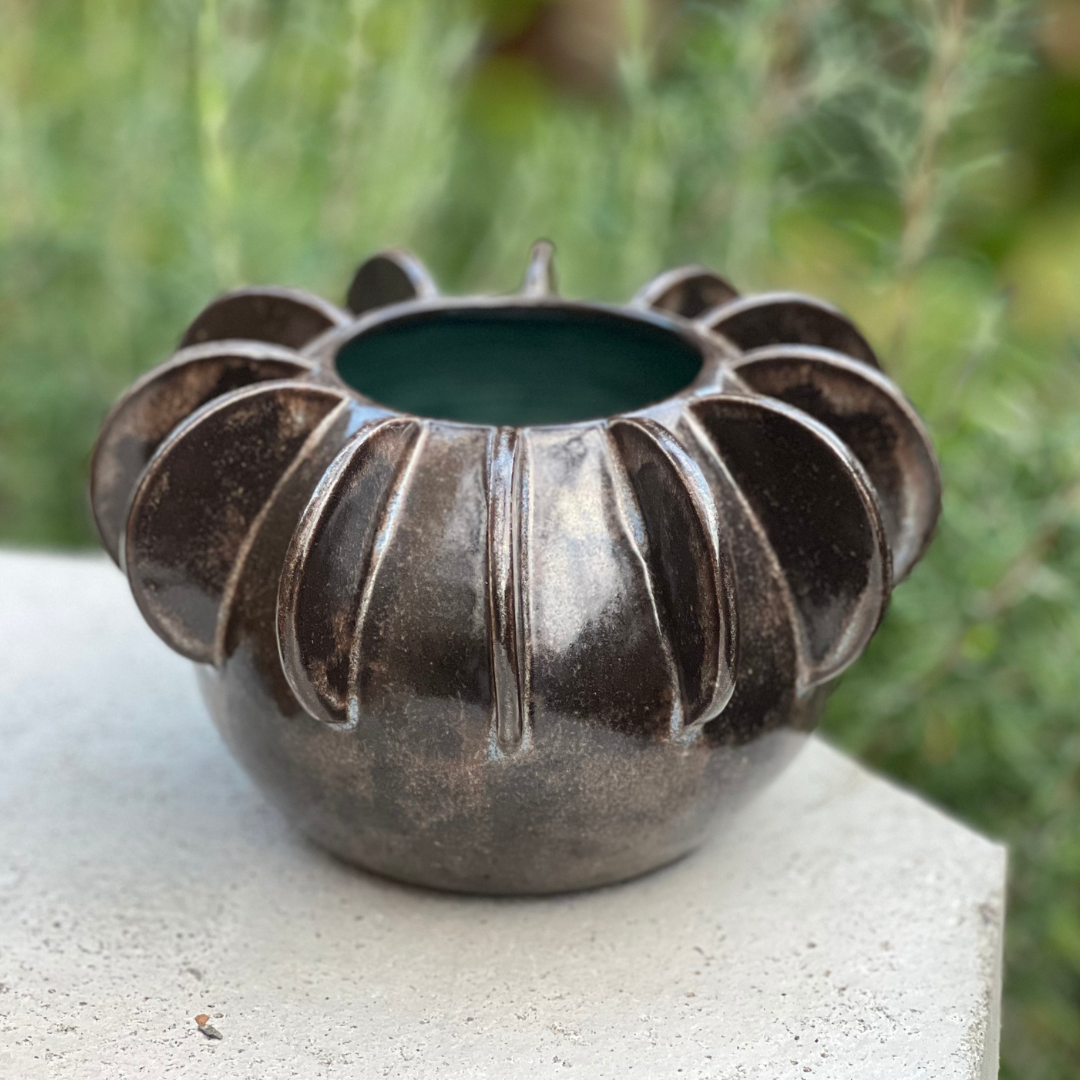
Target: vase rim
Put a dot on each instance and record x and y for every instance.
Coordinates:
(712, 348)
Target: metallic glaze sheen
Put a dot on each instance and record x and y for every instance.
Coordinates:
(514, 660)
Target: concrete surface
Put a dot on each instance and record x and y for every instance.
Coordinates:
(839, 928)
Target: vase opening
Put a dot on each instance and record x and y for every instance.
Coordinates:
(518, 365)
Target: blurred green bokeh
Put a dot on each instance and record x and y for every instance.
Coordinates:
(917, 163)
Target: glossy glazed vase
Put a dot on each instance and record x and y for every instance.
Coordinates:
(514, 594)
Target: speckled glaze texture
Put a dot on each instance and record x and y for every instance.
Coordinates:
(502, 657)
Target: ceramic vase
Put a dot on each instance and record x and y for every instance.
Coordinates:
(514, 594)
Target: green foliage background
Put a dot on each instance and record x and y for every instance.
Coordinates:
(916, 162)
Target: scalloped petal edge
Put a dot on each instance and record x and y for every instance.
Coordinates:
(159, 402)
(742, 437)
(871, 416)
(787, 318)
(279, 315)
(180, 571)
(688, 291)
(386, 278)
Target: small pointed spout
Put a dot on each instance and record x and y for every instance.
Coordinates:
(540, 273)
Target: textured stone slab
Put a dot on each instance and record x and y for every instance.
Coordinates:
(838, 928)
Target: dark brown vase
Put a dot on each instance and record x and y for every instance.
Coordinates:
(514, 594)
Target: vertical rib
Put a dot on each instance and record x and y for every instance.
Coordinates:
(522, 510)
(331, 421)
(505, 628)
(388, 522)
(817, 508)
(635, 531)
(686, 562)
(328, 562)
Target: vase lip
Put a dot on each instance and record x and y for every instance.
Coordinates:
(713, 348)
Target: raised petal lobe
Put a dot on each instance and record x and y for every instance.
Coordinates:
(158, 403)
(289, 317)
(333, 553)
(384, 610)
(765, 695)
(784, 318)
(425, 594)
(687, 291)
(870, 415)
(817, 508)
(690, 572)
(202, 495)
(391, 277)
(594, 631)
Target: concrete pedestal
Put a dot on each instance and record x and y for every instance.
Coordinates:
(839, 928)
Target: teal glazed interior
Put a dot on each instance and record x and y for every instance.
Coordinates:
(518, 365)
